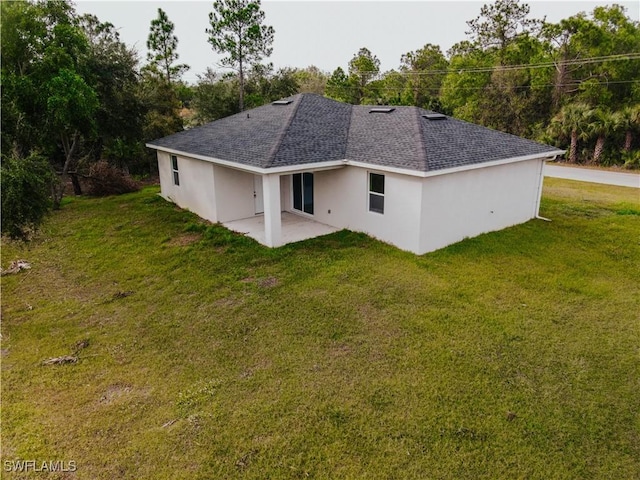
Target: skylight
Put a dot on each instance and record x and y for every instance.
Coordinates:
(282, 102)
(381, 110)
(434, 116)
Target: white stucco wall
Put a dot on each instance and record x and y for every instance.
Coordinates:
(195, 192)
(345, 192)
(213, 192)
(468, 203)
(234, 193)
(420, 214)
(285, 193)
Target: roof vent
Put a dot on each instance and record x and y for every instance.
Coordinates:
(381, 110)
(434, 116)
(282, 102)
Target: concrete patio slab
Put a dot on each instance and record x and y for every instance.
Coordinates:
(295, 228)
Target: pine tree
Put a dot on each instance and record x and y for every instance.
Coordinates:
(237, 31)
(162, 45)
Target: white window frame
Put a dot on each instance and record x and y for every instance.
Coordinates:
(370, 192)
(174, 170)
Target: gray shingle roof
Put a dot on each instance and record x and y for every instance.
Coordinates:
(314, 129)
(318, 132)
(388, 139)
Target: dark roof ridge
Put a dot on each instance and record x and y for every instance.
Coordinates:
(274, 150)
(349, 124)
(421, 134)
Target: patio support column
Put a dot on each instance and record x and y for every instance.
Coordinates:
(272, 210)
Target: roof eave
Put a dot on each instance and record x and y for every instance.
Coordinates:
(445, 171)
(327, 165)
(315, 166)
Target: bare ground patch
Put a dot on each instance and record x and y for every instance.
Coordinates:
(185, 240)
(114, 392)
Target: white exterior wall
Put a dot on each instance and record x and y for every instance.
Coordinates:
(468, 203)
(195, 192)
(213, 192)
(345, 192)
(285, 193)
(420, 214)
(234, 193)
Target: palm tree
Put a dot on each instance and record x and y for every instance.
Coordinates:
(628, 120)
(572, 120)
(601, 124)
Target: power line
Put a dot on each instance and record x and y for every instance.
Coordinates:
(547, 85)
(516, 87)
(584, 61)
(525, 66)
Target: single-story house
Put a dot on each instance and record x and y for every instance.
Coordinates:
(308, 165)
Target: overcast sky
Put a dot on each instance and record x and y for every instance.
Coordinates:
(322, 33)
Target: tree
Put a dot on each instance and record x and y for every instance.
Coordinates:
(563, 53)
(394, 89)
(162, 45)
(607, 32)
(162, 116)
(628, 120)
(461, 89)
(49, 97)
(338, 86)
(425, 68)
(21, 27)
(601, 124)
(516, 99)
(38, 40)
(363, 68)
(215, 96)
(499, 24)
(264, 86)
(25, 194)
(311, 80)
(110, 68)
(184, 91)
(237, 31)
(71, 105)
(70, 90)
(480, 86)
(572, 120)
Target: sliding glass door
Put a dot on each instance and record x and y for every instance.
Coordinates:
(303, 192)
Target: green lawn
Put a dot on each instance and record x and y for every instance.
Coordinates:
(512, 355)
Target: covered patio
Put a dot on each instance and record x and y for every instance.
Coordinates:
(294, 228)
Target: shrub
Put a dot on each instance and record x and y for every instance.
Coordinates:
(26, 194)
(105, 179)
(631, 159)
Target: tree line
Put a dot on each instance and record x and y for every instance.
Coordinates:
(74, 95)
(574, 84)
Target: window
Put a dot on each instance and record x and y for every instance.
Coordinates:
(174, 168)
(303, 192)
(376, 193)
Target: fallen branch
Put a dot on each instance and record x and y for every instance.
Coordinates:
(15, 267)
(60, 360)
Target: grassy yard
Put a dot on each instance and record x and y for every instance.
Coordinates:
(202, 355)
